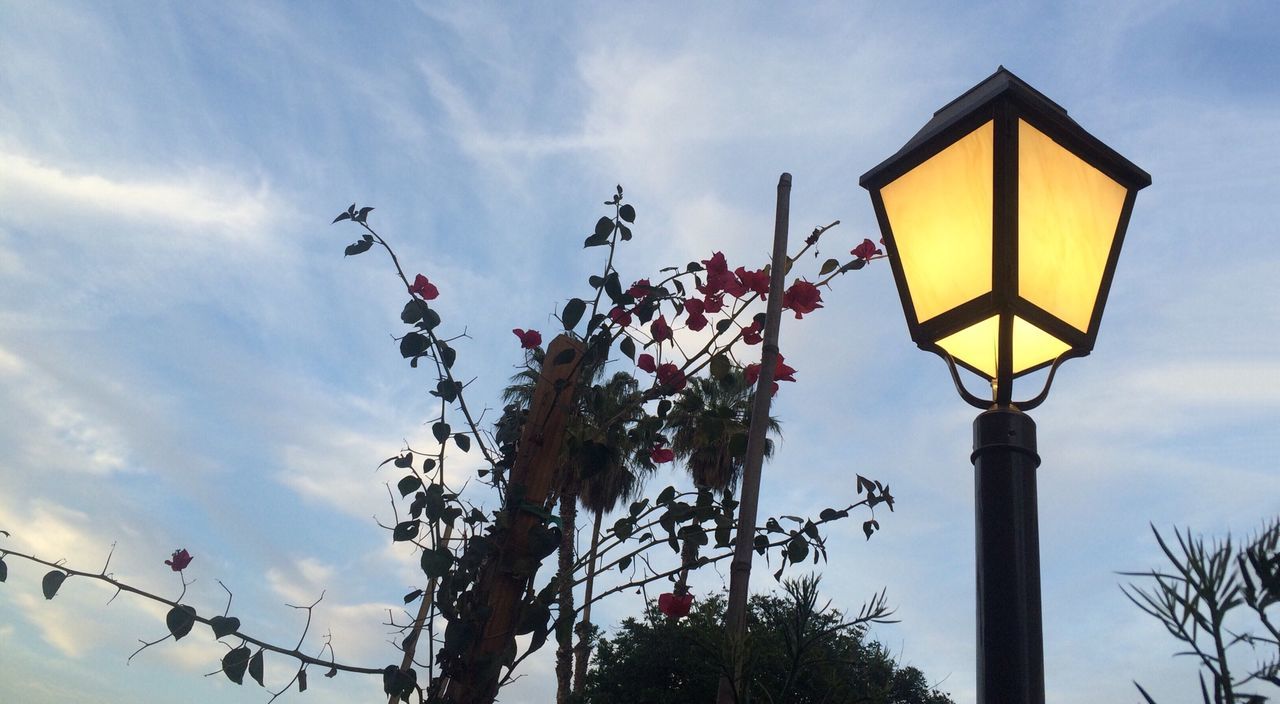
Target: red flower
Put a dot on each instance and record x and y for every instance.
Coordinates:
(694, 307)
(660, 330)
(803, 297)
(716, 265)
(675, 605)
(424, 288)
(757, 281)
(781, 372)
(719, 278)
(646, 363)
(528, 338)
(866, 250)
(640, 289)
(661, 454)
(670, 376)
(620, 315)
(751, 333)
(713, 303)
(179, 560)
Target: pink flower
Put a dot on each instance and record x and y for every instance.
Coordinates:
(675, 606)
(646, 363)
(757, 281)
(751, 333)
(620, 315)
(781, 372)
(179, 560)
(528, 338)
(866, 250)
(802, 297)
(713, 303)
(670, 376)
(660, 330)
(640, 289)
(660, 455)
(719, 278)
(694, 307)
(424, 288)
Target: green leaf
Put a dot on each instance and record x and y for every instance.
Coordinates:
(572, 313)
(797, 549)
(408, 485)
(760, 543)
(595, 241)
(359, 217)
(51, 582)
(413, 344)
(613, 288)
(604, 227)
(447, 355)
(430, 319)
(870, 527)
(463, 441)
(412, 596)
(595, 281)
(224, 626)
(4, 571)
(627, 213)
(828, 266)
(440, 430)
(405, 530)
(404, 461)
(830, 514)
(341, 217)
(359, 246)
(664, 407)
(180, 619)
(628, 347)
(666, 496)
(412, 312)
(436, 563)
(235, 662)
(302, 680)
(255, 663)
(624, 232)
(624, 563)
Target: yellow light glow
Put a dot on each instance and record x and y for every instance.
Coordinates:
(977, 345)
(940, 212)
(1067, 217)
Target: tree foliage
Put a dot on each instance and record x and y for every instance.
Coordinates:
(1219, 601)
(798, 652)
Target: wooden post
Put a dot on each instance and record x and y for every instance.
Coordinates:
(735, 619)
(531, 480)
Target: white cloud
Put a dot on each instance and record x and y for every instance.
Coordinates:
(192, 199)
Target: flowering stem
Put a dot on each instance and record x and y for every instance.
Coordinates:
(121, 586)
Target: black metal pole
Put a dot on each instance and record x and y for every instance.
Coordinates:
(1010, 636)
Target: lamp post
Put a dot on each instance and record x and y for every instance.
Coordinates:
(1003, 221)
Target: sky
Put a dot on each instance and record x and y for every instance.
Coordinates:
(187, 359)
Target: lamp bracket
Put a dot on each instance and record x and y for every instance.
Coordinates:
(978, 402)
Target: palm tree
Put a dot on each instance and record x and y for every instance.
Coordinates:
(708, 424)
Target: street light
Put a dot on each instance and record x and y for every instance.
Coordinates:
(1003, 221)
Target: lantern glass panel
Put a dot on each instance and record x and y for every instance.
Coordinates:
(978, 345)
(941, 218)
(1068, 212)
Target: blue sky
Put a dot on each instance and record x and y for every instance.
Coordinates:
(186, 359)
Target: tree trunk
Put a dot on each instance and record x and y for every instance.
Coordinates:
(564, 633)
(582, 653)
(500, 585)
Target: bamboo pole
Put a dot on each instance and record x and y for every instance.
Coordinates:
(735, 621)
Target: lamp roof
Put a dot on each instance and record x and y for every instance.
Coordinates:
(1004, 85)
